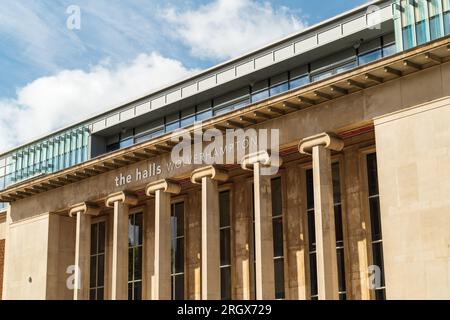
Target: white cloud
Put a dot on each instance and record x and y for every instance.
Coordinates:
(227, 28)
(52, 102)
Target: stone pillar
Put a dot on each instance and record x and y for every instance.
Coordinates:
(119, 271)
(162, 190)
(296, 233)
(83, 213)
(356, 217)
(242, 222)
(265, 278)
(320, 146)
(209, 177)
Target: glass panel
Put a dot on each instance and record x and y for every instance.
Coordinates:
(130, 291)
(93, 273)
(279, 89)
(179, 213)
(277, 226)
(375, 218)
(336, 183)
(92, 295)
(225, 247)
(341, 269)
(100, 294)
(258, 96)
(408, 37)
(446, 5)
(378, 258)
(447, 23)
(369, 57)
(372, 174)
(137, 290)
(126, 143)
(389, 50)
(101, 270)
(179, 287)
(279, 279)
(130, 264)
(322, 75)
(172, 126)
(421, 32)
(204, 115)
(138, 263)
(225, 283)
(187, 121)
(138, 228)
(435, 23)
(309, 189)
(179, 256)
(299, 82)
(101, 237)
(277, 203)
(313, 271)
(346, 67)
(338, 223)
(311, 231)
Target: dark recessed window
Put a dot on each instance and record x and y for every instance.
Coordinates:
(225, 245)
(278, 249)
(97, 262)
(177, 236)
(135, 234)
(375, 222)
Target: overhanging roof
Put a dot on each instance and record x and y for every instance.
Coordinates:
(316, 93)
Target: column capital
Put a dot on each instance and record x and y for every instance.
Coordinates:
(263, 157)
(88, 208)
(122, 196)
(210, 172)
(327, 140)
(164, 185)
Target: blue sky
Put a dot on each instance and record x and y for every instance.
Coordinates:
(123, 50)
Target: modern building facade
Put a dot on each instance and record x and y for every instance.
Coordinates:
(356, 209)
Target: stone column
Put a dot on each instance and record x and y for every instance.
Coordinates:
(83, 213)
(119, 272)
(162, 190)
(209, 177)
(265, 278)
(320, 146)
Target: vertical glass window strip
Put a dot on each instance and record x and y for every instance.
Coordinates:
(435, 10)
(446, 7)
(97, 262)
(135, 233)
(225, 245)
(408, 25)
(177, 236)
(339, 230)
(421, 22)
(277, 225)
(375, 222)
(311, 235)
